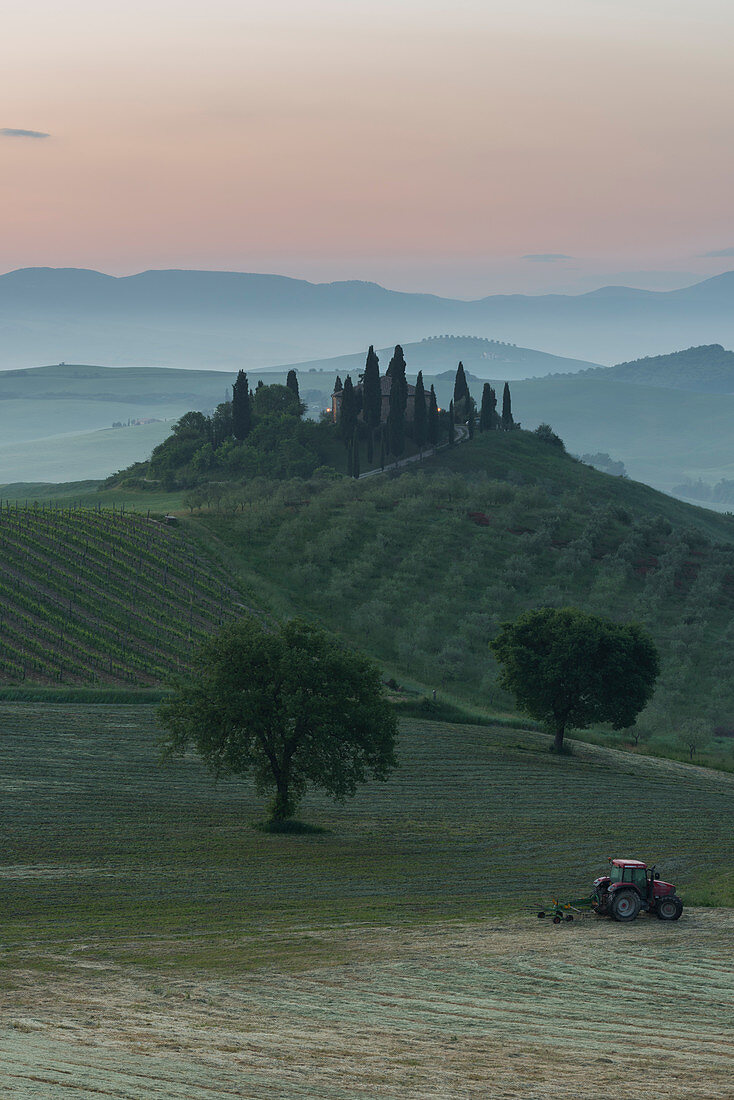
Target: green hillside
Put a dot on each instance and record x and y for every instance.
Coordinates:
(706, 369)
(100, 598)
(663, 436)
(421, 569)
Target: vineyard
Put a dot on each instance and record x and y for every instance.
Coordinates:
(106, 598)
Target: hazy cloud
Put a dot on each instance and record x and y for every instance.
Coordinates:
(9, 131)
(720, 252)
(547, 257)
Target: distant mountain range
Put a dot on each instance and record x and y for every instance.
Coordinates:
(213, 319)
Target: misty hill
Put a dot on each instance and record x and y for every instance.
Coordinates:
(437, 356)
(706, 369)
(227, 319)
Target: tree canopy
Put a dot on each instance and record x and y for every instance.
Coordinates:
(568, 669)
(288, 706)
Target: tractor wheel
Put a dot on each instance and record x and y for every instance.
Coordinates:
(669, 908)
(625, 905)
(556, 919)
(569, 916)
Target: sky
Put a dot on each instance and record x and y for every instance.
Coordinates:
(463, 148)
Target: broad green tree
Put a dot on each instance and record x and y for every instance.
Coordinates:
(287, 706)
(569, 669)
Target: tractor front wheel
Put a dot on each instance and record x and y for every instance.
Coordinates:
(669, 908)
(625, 905)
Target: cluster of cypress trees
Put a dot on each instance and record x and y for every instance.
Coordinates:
(366, 400)
(489, 419)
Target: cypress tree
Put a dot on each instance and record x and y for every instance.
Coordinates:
(292, 383)
(433, 423)
(396, 371)
(338, 385)
(452, 429)
(461, 387)
(396, 419)
(348, 418)
(370, 448)
(371, 391)
(420, 413)
(382, 449)
(241, 411)
(260, 384)
(355, 453)
(489, 404)
(507, 421)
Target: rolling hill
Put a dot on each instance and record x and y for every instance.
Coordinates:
(706, 369)
(230, 319)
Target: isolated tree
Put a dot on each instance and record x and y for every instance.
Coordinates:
(338, 385)
(287, 706)
(292, 383)
(507, 421)
(420, 413)
(433, 421)
(452, 426)
(568, 669)
(488, 413)
(348, 416)
(241, 411)
(371, 391)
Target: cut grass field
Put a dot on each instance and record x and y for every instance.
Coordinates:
(154, 944)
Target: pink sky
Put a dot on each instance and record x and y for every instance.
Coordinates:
(429, 146)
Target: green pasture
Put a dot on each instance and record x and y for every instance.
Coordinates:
(103, 845)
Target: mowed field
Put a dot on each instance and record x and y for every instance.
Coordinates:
(153, 944)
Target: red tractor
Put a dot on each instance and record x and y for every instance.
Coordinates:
(631, 887)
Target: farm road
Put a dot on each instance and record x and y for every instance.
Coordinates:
(514, 1009)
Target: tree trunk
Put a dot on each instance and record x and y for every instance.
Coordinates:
(558, 739)
(282, 807)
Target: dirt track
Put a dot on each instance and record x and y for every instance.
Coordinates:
(517, 1009)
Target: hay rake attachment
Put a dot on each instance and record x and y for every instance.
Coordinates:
(564, 910)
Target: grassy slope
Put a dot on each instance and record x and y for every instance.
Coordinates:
(475, 820)
(398, 567)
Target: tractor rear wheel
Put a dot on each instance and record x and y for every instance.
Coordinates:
(669, 908)
(626, 905)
